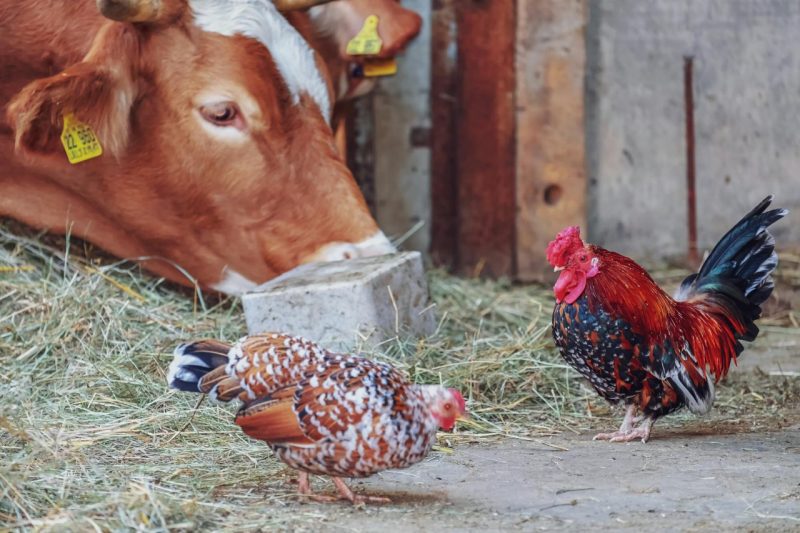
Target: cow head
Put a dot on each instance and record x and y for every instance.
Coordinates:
(218, 156)
(336, 23)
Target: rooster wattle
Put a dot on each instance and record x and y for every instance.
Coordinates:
(321, 412)
(637, 345)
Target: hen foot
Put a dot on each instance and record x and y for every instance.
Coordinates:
(356, 499)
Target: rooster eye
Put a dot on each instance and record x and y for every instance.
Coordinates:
(448, 406)
(583, 257)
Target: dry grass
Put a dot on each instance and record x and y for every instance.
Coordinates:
(91, 438)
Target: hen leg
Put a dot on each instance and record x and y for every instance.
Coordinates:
(304, 489)
(348, 494)
(624, 430)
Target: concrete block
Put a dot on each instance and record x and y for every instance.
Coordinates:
(344, 304)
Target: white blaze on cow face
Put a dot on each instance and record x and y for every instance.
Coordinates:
(377, 244)
(258, 19)
(233, 283)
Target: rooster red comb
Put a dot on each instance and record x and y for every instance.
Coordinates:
(563, 245)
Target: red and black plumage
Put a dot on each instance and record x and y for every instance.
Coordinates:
(321, 412)
(655, 353)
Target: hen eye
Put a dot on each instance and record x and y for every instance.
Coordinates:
(221, 114)
(448, 406)
(583, 257)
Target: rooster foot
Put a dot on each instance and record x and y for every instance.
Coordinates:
(641, 432)
(616, 436)
(627, 433)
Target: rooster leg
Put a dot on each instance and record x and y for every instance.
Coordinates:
(348, 494)
(624, 430)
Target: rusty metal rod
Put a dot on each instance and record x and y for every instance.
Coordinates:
(691, 167)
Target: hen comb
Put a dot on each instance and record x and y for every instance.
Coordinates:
(567, 241)
(462, 405)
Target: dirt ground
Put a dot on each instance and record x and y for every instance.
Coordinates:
(683, 479)
(696, 474)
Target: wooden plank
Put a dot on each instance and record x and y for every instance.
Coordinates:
(444, 185)
(485, 129)
(550, 158)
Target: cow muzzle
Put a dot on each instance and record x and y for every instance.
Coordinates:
(377, 244)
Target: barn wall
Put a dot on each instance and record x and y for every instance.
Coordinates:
(747, 103)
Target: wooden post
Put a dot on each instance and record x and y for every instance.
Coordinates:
(444, 91)
(550, 158)
(485, 133)
(507, 132)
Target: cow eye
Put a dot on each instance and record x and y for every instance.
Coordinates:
(221, 113)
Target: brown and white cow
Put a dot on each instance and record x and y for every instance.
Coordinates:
(213, 116)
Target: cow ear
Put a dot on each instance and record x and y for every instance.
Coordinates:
(342, 21)
(98, 91)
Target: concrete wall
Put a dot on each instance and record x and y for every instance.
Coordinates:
(402, 171)
(747, 116)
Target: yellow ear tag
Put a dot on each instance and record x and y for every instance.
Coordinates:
(380, 67)
(80, 142)
(367, 42)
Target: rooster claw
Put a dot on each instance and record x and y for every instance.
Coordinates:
(642, 432)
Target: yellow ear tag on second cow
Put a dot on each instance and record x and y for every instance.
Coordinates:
(367, 42)
(380, 67)
(80, 142)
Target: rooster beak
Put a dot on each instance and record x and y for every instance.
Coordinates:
(558, 269)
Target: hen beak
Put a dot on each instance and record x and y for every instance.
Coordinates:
(558, 269)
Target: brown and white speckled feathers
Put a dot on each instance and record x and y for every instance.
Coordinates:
(321, 412)
(259, 365)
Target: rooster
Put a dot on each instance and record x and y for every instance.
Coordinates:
(637, 345)
(321, 412)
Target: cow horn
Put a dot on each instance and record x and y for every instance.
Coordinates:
(295, 5)
(130, 10)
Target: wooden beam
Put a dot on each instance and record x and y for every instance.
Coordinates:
(550, 159)
(485, 129)
(444, 89)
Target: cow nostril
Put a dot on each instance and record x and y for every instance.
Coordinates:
(350, 252)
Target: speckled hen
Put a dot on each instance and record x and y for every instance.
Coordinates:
(637, 345)
(321, 412)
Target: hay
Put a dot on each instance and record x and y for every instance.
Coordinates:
(91, 438)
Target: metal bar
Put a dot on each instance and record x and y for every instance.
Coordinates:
(691, 167)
